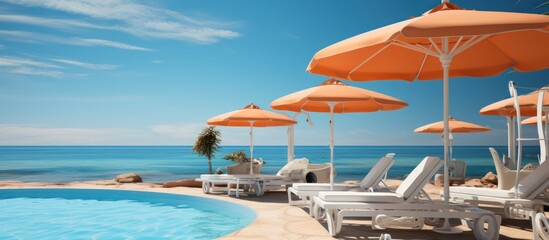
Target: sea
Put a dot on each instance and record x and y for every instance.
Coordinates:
(170, 163)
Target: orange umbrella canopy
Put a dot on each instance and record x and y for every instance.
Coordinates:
(347, 99)
(488, 43)
(456, 126)
(527, 103)
(251, 115)
(533, 121)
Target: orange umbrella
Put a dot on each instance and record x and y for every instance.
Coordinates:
(456, 126)
(533, 121)
(252, 116)
(445, 42)
(477, 43)
(333, 96)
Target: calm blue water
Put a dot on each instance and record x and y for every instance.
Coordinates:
(115, 214)
(159, 164)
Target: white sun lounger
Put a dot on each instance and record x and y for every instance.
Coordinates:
(403, 207)
(258, 183)
(529, 202)
(255, 182)
(306, 191)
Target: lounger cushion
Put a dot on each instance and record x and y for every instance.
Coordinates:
(377, 172)
(216, 176)
(322, 186)
(485, 192)
(370, 197)
(419, 177)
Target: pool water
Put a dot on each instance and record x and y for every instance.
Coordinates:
(115, 214)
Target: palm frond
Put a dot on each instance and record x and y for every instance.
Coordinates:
(543, 4)
(207, 142)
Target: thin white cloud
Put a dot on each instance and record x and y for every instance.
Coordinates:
(2, 46)
(107, 43)
(41, 38)
(68, 98)
(156, 61)
(133, 18)
(85, 65)
(35, 72)
(293, 36)
(50, 22)
(7, 61)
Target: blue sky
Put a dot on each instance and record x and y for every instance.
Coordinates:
(152, 72)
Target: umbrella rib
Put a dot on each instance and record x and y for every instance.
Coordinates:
(435, 45)
(469, 43)
(421, 66)
(367, 60)
(417, 48)
(457, 44)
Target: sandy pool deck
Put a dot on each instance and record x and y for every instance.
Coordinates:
(276, 219)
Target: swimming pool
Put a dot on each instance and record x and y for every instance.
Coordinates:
(115, 214)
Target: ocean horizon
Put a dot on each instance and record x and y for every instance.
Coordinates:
(170, 163)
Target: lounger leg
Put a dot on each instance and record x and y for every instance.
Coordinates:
(318, 213)
(237, 187)
(331, 221)
(290, 201)
(206, 187)
(258, 189)
(312, 209)
(492, 231)
(540, 227)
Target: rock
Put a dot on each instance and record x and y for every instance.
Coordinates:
(128, 178)
(490, 178)
(475, 182)
(183, 183)
(351, 182)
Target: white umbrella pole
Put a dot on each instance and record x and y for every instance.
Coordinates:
(546, 136)
(331, 104)
(290, 143)
(451, 143)
(446, 58)
(251, 147)
(511, 139)
(539, 118)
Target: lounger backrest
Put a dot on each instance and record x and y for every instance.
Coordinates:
(293, 167)
(377, 172)
(415, 181)
(500, 167)
(530, 186)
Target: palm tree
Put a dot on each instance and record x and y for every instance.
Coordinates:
(207, 144)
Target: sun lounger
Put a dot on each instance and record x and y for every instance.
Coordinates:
(402, 207)
(241, 182)
(292, 172)
(530, 199)
(305, 191)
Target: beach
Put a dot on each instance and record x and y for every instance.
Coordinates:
(276, 219)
